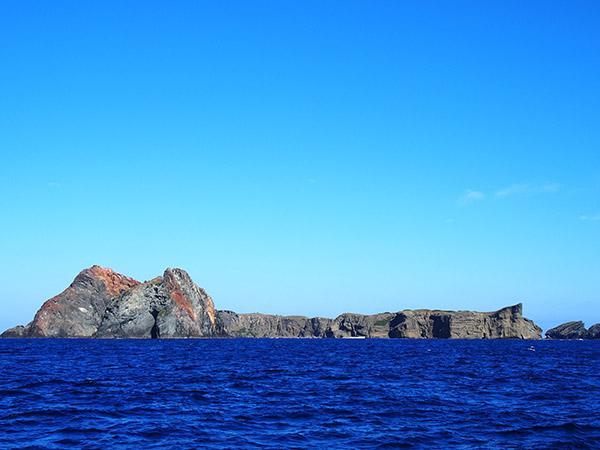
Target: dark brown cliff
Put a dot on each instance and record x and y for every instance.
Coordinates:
(506, 323)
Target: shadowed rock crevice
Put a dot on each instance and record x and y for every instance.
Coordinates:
(155, 331)
(441, 326)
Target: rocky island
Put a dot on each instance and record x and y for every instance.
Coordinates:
(101, 303)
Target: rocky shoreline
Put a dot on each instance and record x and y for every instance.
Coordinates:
(101, 303)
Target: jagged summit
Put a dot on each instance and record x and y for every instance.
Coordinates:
(114, 282)
(101, 303)
(168, 306)
(77, 311)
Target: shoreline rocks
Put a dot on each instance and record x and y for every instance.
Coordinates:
(101, 303)
(574, 330)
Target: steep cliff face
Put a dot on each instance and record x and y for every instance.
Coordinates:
(357, 325)
(171, 306)
(77, 311)
(574, 330)
(231, 324)
(506, 323)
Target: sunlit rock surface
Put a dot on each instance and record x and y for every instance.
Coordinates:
(506, 323)
(78, 310)
(171, 306)
(101, 303)
(574, 330)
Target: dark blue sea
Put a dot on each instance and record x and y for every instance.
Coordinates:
(304, 394)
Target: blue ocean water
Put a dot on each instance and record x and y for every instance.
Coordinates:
(293, 393)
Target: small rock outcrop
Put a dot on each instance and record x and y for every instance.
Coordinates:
(78, 310)
(594, 332)
(15, 332)
(574, 330)
(171, 306)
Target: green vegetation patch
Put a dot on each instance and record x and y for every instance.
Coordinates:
(384, 321)
(246, 332)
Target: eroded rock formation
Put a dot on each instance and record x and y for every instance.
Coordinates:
(171, 306)
(506, 323)
(230, 324)
(101, 303)
(78, 310)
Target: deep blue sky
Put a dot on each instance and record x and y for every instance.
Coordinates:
(305, 157)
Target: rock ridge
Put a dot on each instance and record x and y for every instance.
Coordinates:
(506, 323)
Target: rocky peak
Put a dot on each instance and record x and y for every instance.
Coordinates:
(76, 312)
(515, 311)
(168, 306)
(115, 283)
(187, 294)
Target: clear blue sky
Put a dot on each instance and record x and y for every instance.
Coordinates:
(309, 157)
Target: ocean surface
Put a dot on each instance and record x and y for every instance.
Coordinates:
(304, 394)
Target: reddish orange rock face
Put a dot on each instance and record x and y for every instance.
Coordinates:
(103, 303)
(182, 299)
(78, 309)
(178, 296)
(115, 283)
